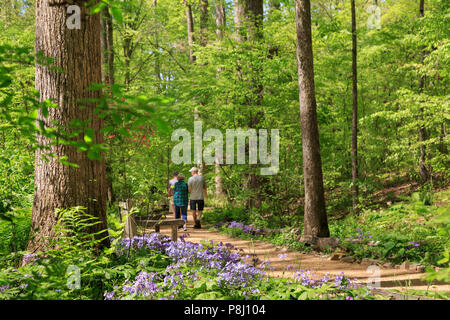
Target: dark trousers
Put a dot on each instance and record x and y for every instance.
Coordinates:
(182, 211)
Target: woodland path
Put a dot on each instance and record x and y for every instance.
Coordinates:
(317, 262)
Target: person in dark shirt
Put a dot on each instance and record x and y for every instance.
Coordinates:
(180, 199)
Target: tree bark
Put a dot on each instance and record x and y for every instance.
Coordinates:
(220, 19)
(239, 18)
(255, 12)
(190, 30)
(253, 19)
(127, 54)
(355, 111)
(315, 219)
(78, 54)
(107, 78)
(204, 23)
(442, 145)
(220, 25)
(107, 46)
(158, 75)
(423, 132)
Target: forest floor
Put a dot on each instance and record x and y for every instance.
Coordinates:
(318, 262)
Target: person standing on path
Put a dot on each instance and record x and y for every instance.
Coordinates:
(197, 189)
(170, 187)
(180, 199)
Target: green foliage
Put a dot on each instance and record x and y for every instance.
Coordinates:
(53, 275)
(227, 214)
(403, 232)
(443, 224)
(16, 180)
(14, 230)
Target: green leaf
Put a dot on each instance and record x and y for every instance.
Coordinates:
(124, 132)
(5, 217)
(64, 161)
(88, 135)
(116, 118)
(96, 8)
(94, 155)
(117, 14)
(44, 111)
(213, 295)
(5, 81)
(162, 125)
(303, 296)
(107, 129)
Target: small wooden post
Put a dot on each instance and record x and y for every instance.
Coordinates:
(130, 224)
(174, 233)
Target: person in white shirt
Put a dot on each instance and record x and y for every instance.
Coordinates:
(197, 190)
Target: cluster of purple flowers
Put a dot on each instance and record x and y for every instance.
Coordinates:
(238, 274)
(265, 265)
(30, 257)
(218, 260)
(343, 283)
(213, 255)
(153, 241)
(413, 244)
(142, 285)
(239, 225)
(215, 258)
(309, 279)
(361, 235)
(148, 285)
(4, 287)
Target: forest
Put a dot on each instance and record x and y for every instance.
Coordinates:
(224, 150)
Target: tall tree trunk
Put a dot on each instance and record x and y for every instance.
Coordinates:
(107, 78)
(423, 132)
(220, 25)
(78, 54)
(127, 54)
(190, 30)
(220, 19)
(240, 12)
(355, 111)
(107, 42)
(443, 148)
(204, 23)
(315, 219)
(255, 12)
(158, 75)
(253, 18)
